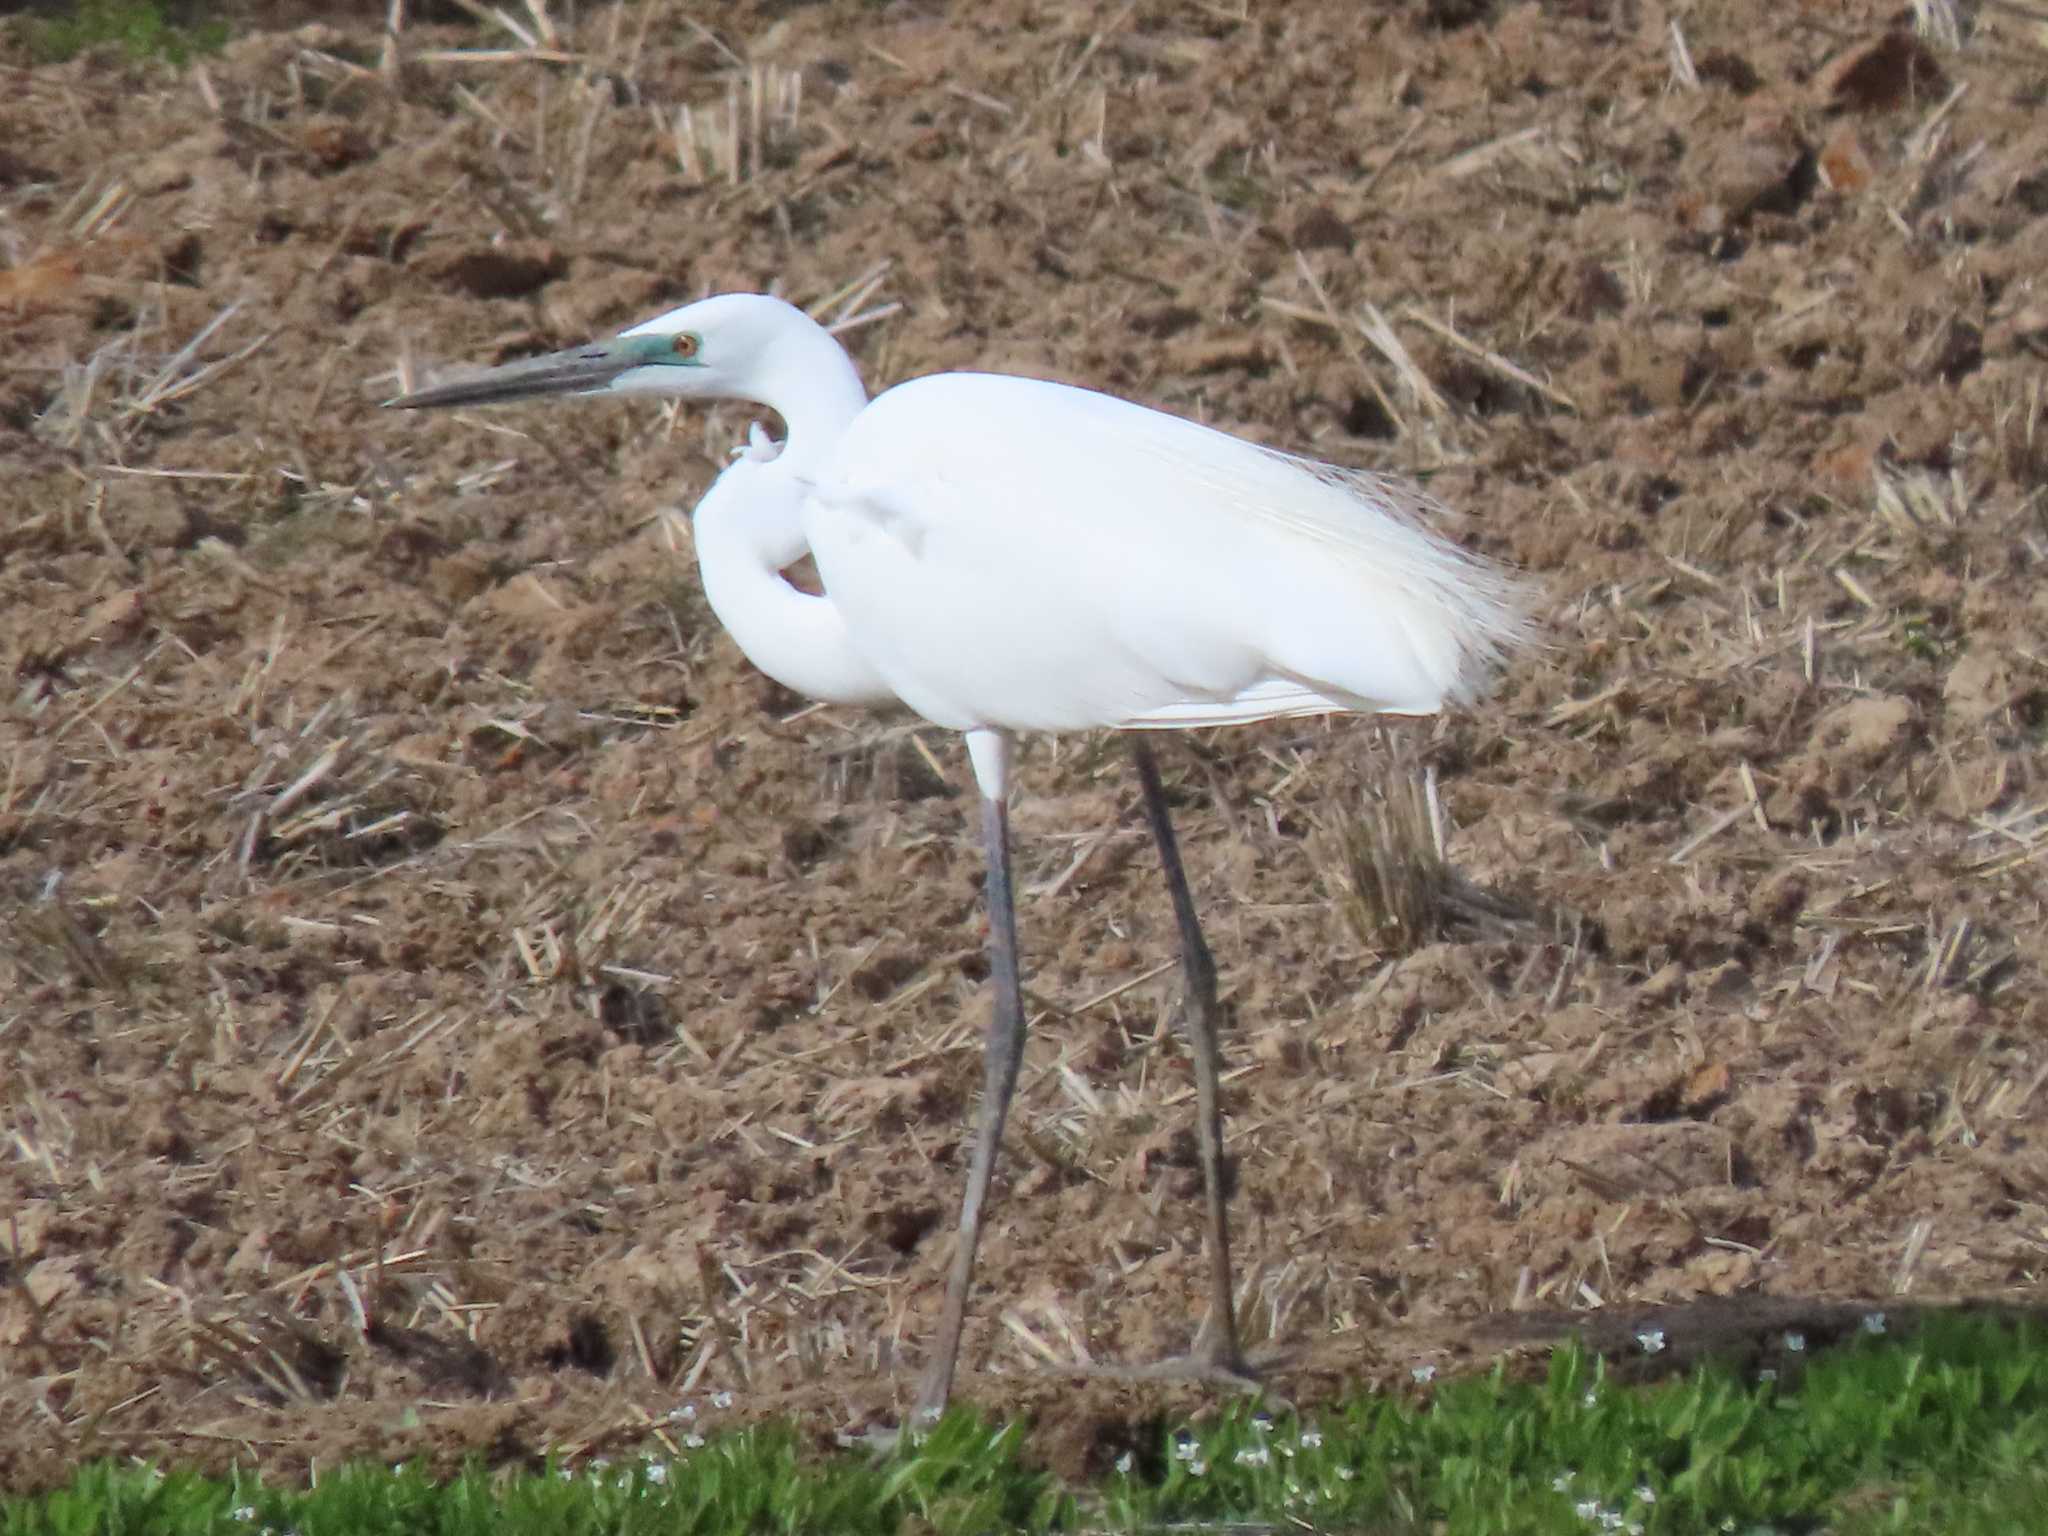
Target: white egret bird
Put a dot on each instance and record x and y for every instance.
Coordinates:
(1004, 554)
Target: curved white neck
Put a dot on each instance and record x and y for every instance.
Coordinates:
(748, 531)
(749, 526)
(807, 379)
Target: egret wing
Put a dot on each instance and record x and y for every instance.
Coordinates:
(1026, 554)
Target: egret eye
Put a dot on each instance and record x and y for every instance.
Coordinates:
(685, 345)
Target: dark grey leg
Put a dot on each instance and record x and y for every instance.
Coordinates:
(1218, 1346)
(1004, 1055)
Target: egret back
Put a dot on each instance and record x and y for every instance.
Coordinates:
(1017, 553)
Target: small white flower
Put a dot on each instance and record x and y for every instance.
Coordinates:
(1311, 1438)
(693, 1441)
(1345, 1474)
(682, 1415)
(242, 1512)
(1423, 1373)
(564, 1473)
(1610, 1519)
(1586, 1509)
(657, 1472)
(1873, 1322)
(1184, 1448)
(1198, 1468)
(721, 1399)
(1652, 1340)
(1591, 1398)
(1254, 1456)
(1563, 1480)
(1124, 1463)
(1646, 1493)
(1262, 1422)
(1795, 1342)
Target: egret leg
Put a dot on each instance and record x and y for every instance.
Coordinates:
(1218, 1345)
(1004, 1054)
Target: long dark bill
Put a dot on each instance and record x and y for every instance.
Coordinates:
(576, 371)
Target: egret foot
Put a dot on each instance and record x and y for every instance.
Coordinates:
(1238, 1374)
(1200, 1364)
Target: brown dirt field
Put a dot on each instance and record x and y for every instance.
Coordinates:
(449, 1002)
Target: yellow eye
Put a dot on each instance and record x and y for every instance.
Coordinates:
(685, 345)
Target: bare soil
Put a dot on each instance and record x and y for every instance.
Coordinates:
(449, 1003)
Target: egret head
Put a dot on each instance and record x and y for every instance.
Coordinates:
(721, 348)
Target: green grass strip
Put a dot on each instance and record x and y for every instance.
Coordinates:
(143, 29)
(1946, 1432)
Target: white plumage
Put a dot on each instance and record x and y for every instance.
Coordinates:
(1029, 556)
(1005, 555)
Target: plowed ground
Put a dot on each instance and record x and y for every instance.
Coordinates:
(449, 1002)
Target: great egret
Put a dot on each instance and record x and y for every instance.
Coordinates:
(1004, 554)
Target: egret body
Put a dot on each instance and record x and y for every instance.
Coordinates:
(1005, 554)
